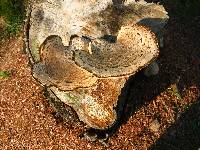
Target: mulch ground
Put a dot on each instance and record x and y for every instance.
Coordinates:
(163, 112)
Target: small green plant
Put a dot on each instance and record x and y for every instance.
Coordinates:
(4, 74)
(12, 12)
(187, 107)
(175, 92)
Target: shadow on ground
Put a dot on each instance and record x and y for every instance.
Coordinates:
(184, 134)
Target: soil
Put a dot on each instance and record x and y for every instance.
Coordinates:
(162, 112)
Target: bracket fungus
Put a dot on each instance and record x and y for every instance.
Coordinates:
(84, 52)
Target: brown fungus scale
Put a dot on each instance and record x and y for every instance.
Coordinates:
(80, 67)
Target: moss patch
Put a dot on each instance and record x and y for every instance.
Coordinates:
(12, 11)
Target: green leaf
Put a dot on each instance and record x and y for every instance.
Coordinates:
(4, 74)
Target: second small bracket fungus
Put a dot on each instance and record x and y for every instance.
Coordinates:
(135, 48)
(84, 52)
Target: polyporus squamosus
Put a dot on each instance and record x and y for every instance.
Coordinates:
(84, 52)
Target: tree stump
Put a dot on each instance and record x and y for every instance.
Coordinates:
(85, 52)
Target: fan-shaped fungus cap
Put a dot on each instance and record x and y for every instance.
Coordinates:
(135, 48)
(58, 69)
